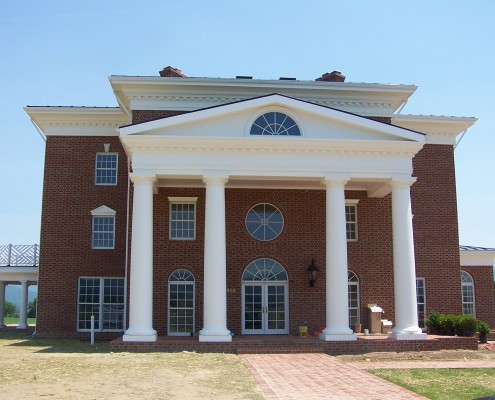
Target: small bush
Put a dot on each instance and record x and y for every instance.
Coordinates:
(483, 328)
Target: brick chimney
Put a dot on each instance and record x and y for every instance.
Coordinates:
(335, 76)
(171, 72)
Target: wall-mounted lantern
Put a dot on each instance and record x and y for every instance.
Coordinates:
(312, 272)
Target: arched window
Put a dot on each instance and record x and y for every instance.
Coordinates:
(264, 269)
(264, 222)
(353, 295)
(181, 298)
(467, 285)
(275, 124)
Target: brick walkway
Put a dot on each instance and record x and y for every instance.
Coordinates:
(318, 376)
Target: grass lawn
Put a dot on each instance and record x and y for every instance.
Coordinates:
(15, 321)
(440, 384)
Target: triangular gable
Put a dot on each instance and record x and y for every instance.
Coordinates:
(228, 112)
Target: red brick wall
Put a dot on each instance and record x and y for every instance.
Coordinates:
(436, 238)
(69, 195)
(484, 297)
(139, 116)
(66, 254)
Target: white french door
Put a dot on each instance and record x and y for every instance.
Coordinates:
(265, 308)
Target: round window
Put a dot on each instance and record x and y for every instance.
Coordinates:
(264, 222)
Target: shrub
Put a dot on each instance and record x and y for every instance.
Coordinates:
(483, 328)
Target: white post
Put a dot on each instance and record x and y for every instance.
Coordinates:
(215, 263)
(337, 302)
(92, 330)
(141, 275)
(23, 306)
(2, 304)
(406, 312)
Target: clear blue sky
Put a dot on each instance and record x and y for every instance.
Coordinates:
(61, 53)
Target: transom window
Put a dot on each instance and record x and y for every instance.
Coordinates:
(421, 301)
(183, 218)
(106, 169)
(104, 299)
(351, 219)
(264, 269)
(181, 303)
(467, 294)
(264, 222)
(353, 296)
(275, 124)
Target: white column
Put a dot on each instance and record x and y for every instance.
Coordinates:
(23, 306)
(406, 313)
(215, 264)
(2, 304)
(337, 306)
(141, 274)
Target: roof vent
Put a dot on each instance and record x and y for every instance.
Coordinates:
(284, 78)
(335, 76)
(243, 77)
(171, 72)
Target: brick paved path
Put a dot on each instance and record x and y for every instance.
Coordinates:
(318, 376)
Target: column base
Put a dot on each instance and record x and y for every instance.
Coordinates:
(407, 336)
(342, 337)
(139, 335)
(213, 335)
(21, 326)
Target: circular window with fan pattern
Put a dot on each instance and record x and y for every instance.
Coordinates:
(264, 222)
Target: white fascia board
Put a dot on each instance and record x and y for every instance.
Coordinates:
(188, 94)
(477, 258)
(439, 129)
(17, 274)
(77, 121)
(271, 100)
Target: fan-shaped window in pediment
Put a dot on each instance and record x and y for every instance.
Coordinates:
(275, 124)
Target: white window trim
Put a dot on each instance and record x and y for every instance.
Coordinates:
(353, 202)
(102, 211)
(193, 283)
(100, 312)
(425, 313)
(182, 200)
(116, 169)
(474, 292)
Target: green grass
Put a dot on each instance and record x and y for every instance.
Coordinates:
(15, 321)
(440, 384)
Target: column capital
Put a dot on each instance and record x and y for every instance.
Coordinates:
(335, 179)
(215, 178)
(141, 179)
(403, 181)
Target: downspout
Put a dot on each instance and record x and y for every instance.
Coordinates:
(459, 141)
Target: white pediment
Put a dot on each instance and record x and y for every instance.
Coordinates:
(234, 120)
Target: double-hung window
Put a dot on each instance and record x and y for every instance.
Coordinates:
(467, 285)
(102, 298)
(351, 220)
(182, 218)
(106, 169)
(103, 235)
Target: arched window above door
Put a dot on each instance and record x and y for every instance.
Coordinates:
(264, 269)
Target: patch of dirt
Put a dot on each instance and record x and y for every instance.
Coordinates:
(484, 352)
(33, 369)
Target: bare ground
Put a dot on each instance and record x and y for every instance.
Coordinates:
(34, 369)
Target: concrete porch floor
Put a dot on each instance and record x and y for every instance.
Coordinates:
(264, 344)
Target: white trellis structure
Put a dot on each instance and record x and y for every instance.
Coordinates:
(18, 266)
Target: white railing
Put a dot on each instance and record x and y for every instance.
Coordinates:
(19, 255)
